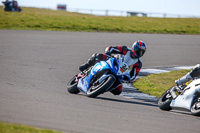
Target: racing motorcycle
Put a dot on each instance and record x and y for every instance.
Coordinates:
(184, 96)
(104, 76)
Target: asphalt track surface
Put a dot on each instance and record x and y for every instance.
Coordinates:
(35, 67)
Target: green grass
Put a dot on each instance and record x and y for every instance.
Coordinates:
(16, 128)
(157, 84)
(43, 19)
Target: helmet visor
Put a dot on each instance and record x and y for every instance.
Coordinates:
(140, 53)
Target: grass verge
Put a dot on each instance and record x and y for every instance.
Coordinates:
(16, 128)
(157, 84)
(43, 19)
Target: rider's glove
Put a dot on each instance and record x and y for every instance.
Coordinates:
(108, 53)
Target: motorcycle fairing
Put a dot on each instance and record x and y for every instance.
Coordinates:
(185, 100)
(84, 83)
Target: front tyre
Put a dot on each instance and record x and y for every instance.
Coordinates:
(100, 88)
(195, 109)
(164, 101)
(72, 86)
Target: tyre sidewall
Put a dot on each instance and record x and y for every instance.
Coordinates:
(72, 86)
(194, 111)
(164, 105)
(102, 88)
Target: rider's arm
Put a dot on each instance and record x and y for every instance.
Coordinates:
(135, 70)
(195, 72)
(116, 50)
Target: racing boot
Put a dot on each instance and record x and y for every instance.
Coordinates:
(84, 67)
(90, 63)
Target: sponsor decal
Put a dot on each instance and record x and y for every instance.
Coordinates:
(173, 102)
(97, 68)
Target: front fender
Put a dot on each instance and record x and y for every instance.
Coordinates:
(103, 77)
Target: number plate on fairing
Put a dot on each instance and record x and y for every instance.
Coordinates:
(123, 68)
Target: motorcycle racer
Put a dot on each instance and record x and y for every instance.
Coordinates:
(195, 72)
(135, 52)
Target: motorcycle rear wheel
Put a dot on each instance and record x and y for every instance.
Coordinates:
(164, 102)
(96, 90)
(195, 109)
(72, 86)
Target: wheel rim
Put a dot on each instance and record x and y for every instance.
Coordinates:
(166, 97)
(197, 106)
(96, 86)
(73, 81)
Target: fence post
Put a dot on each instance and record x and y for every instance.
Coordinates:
(106, 12)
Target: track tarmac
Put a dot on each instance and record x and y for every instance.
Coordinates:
(35, 67)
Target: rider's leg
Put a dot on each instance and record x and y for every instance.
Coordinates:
(92, 61)
(117, 90)
(89, 63)
(195, 72)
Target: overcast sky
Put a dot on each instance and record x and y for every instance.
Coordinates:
(182, 7)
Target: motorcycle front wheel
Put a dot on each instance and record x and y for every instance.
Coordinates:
(100, 88)
(164, 101)
(195, 109)
(72, 86)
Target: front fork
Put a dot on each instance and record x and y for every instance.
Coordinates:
(176, 90)
(83, 74)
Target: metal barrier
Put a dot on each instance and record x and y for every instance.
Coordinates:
(128, 13)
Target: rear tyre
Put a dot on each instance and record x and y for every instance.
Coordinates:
(164, 101)
(195, 109)
(96, 90)
(72, 86)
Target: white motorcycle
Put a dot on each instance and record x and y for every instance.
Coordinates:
(185, 96)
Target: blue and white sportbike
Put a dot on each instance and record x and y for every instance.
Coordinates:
(104, 76)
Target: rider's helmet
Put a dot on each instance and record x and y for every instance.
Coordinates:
(138, 49)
